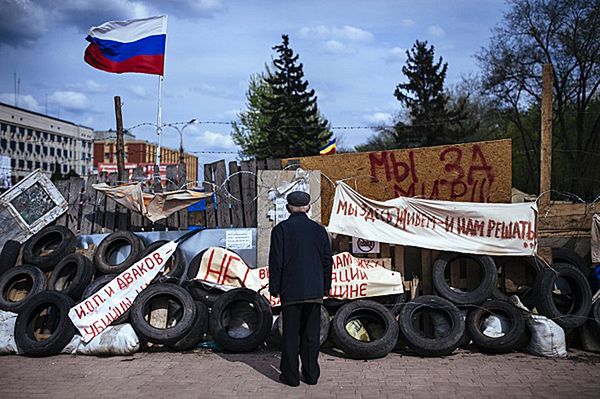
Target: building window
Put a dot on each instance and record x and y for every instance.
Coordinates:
(52, 137)
(13, 129)
(37, 164)
(22, 130)
(21, 163)
(51, 151)
(4, 144)
(13, 145)
(45, 134)
(37, 148)
(51, 167)
(83, 170)
(30, 148)
(29, 164)
(3, 127)
(65, 168)
(45, 165)
(13, 162)
(58, 152)
(21, 146)
(45, 150)
(107, 156)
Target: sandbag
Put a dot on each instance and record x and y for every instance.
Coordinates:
(8, 346)
(114, 341)
(547, 337)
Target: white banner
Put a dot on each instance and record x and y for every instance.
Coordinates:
(94, 314)
(474, 228)
(351, 277)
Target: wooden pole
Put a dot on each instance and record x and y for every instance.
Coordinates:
(546, 137)
(120, 145)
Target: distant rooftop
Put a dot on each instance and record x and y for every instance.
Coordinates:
(44, 115)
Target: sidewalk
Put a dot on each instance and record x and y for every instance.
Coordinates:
(209, 375)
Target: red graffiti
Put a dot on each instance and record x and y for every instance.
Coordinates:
(461, 178)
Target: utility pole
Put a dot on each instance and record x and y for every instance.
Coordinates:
(120, 144)
(546, 137)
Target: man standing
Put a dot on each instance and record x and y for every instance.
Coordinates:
(300, 273)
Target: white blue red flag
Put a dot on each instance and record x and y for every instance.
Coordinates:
(137, 45)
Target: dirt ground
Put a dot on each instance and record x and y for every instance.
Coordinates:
(465, 374)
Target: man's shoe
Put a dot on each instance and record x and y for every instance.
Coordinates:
(307, 381)
(284, 380)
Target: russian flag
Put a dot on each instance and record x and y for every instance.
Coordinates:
(137, 45)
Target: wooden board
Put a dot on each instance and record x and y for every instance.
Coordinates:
(211, 217)
(111, 207)
(63, 187)
(136, 218)
(265, 222)
(249, 192)
(475, 172)
(235, 189)
(172, 220)
(88, 207)
(100, 208)
(75, 186)
(223, 215)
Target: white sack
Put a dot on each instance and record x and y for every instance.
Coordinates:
(8, 346)
(115, 340)
(547, 337)
(495, 326)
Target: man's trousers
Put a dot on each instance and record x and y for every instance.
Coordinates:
(301, 330)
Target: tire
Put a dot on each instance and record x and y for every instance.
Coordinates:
(566, 255)
(60, 324)
(511, 340)
(439, 345)
(175, 265)
(169, 335)
(58, 241)
(72, 275)
(393, 303)
(111, 243)
(221, 314)
(9, 255)
(194, 266)
(474, 297)
(202, 292)
(196, 333)
(324, 326)
(530, 263)
(365, 310)
(96, 285)
(579, 302)
(26, 276)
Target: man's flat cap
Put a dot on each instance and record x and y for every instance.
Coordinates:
(298, 198)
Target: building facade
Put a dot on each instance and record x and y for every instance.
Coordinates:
(35, 141)
(142, 152)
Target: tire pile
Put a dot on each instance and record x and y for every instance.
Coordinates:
(53, 277)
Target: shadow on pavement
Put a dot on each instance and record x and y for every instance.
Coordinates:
(266, 363)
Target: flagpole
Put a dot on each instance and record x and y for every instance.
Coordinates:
(157, 180)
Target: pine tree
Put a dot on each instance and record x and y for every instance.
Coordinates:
(282, 119)
(423, 96)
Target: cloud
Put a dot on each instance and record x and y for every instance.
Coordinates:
(395, 54)
(70, 100)
(346, 32)
(215, 141)
(229, 115)
(408, 23)
(22, 22)
(138, 91)
(89, 86)
(214, 91)
(26, 101)
(436, 31)
(336, 47)
(379, 117)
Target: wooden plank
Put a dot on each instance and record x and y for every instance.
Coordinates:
(345, 243)
(99, 216)
(182, 215)
(88, 207)
(273, 164)
(426, 271)
(249, 192)
(223, 215)
(172, 220)
(546, 137)
(399, 260)
(211, 217)
(136, 218)
(111, 207)
(75, 186)
(63, 187)
(235, 189)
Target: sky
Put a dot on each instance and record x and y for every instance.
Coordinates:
(352, 52)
